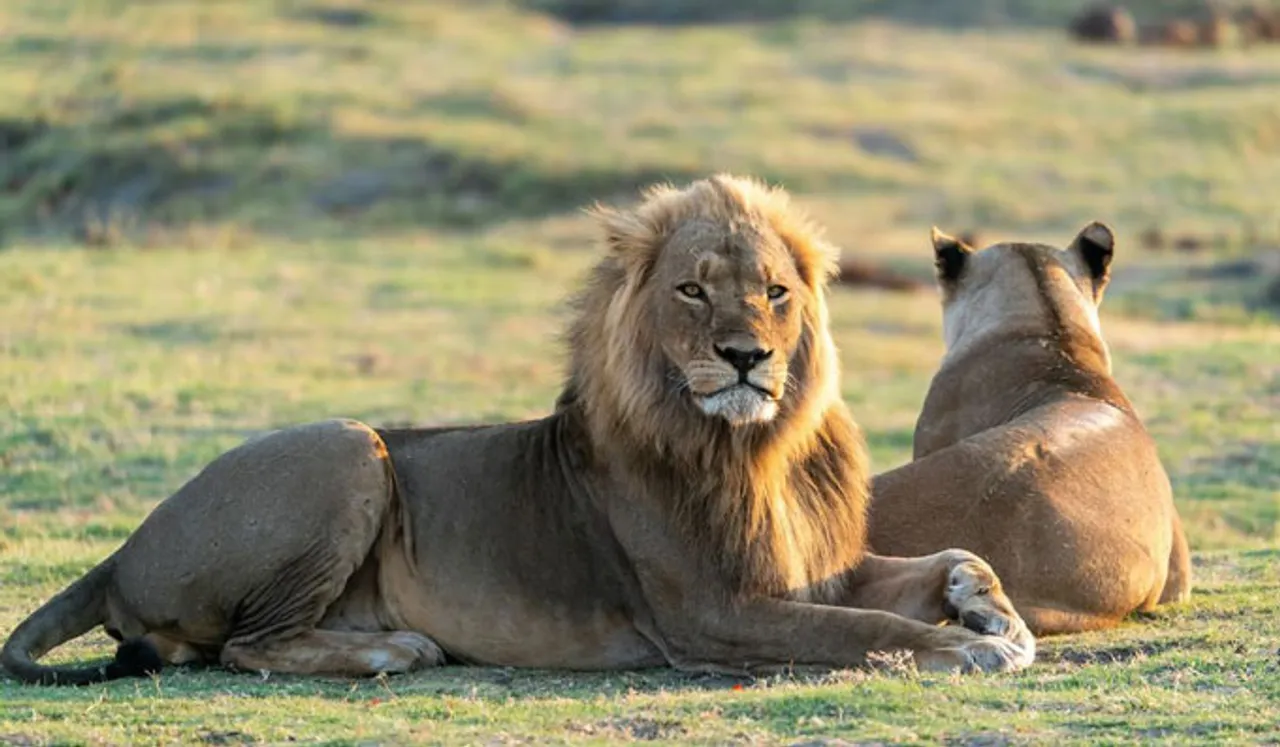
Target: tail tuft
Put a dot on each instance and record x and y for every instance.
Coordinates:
(135, 658)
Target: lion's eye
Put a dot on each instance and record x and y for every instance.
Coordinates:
(776, 291)
(691, 290)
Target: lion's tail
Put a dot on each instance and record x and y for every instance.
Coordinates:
(70, 614)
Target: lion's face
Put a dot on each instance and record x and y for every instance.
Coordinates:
(707, 312)
(728, 303)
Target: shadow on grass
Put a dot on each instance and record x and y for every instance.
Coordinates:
(490, 684)
(932, 13)
(1083, 654)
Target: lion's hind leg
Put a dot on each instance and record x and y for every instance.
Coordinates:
(335, 652)
(255, 561)
(279, 627)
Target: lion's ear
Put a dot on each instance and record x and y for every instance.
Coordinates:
(630, 237)
(950, 255)
(817, 261)
(1095, 245)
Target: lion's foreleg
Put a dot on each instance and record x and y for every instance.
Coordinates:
(950, 585)
(762, 635)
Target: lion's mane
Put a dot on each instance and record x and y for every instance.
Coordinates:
(772, 502)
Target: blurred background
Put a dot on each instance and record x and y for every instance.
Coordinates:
(223, 217)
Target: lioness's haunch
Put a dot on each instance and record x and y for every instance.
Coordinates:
(1027, 452)
(697, 498)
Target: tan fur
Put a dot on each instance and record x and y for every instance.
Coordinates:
(1028, 453)
(697, 498)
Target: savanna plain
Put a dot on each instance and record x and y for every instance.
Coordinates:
(223, 218)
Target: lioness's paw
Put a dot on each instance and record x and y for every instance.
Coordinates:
(425, 650)
(977, 601)
(981, 654)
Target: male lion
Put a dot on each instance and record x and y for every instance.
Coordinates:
(1027, 452)
(696, 499)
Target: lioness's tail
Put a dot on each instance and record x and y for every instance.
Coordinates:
(70, 614)
(1177, 586)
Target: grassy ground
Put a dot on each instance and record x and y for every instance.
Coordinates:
(371, 215)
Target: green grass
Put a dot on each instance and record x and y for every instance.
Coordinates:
(227, 217)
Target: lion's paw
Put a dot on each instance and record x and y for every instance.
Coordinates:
(421, 650)
(978, 654)
(974, 598)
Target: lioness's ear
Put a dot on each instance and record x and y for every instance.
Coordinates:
(1095, 245)
(949, 255)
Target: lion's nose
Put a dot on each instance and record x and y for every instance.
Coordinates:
(743, 359)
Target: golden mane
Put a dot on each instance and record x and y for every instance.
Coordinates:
(779, 506)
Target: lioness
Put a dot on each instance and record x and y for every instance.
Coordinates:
(696, 499)
(1027, 452)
